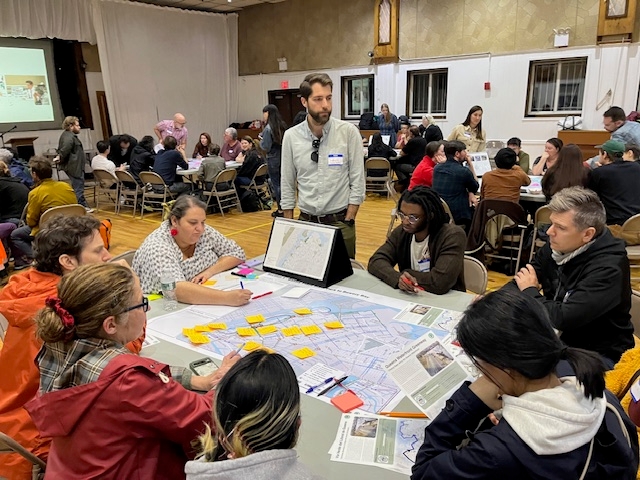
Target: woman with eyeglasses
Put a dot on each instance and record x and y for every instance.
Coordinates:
(557, 419)
(427, 250)
(256, 417)
(110, 414)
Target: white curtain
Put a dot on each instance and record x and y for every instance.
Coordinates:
(65, 19)
(157, 61)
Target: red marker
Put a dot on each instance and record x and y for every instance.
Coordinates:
(261, 295)
(408, 282)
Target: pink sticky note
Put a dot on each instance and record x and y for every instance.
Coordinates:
(245, 271)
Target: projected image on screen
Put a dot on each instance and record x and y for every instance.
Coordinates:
(24, 86)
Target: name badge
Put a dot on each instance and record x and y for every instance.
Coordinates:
(336, 159)
(424, 265)
(467, 134)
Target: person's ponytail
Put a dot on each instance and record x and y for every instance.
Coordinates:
(589, 370)
(49, 326)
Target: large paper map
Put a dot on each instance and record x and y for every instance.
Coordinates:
(370, 335)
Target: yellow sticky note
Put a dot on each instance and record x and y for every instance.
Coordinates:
(311, 329)
(199, 338)
(334, 324)
(267, 329)
(154, 296)
(210, 283)
(188, 331)
(251, 319)
(303, 353)
(218, 326)
(245, 331)
(202, 328)
(251, 346)
(303, 311)
(291, 331)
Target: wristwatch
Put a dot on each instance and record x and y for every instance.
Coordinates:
(351, 222)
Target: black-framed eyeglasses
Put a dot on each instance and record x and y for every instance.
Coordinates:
(144, 305)
(314, 155)
(412, 219)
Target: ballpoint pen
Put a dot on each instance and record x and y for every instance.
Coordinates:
(337, 381)
(403, 414)
(311, 389)
(261, 295)
(241, 347)
(241, 285)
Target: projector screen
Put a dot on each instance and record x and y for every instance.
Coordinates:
(28, 91)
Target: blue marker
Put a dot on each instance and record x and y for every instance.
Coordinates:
(318, 386)
(241, 285)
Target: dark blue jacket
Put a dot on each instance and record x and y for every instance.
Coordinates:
(497, 453)
(453, 182)
(166, 163)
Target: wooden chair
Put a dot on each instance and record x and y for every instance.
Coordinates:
(356, 265)
(9, 445)
(104, 181)
(475, 275)
(149, 195)
(543, 216)
(632, 225)
(129, 191)
(377, 184)
(128, 256)
(225, 198)
(261, 187)
(73, 209)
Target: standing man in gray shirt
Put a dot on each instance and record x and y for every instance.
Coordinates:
(323, 159)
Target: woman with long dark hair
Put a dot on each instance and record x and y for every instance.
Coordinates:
(470, 132)
(568, 171)
(203, 147)
(552, 426)
(271, 142)
(552, 148)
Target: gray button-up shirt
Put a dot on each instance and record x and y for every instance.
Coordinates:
(330, 185)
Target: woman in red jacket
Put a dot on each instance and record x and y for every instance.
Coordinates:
(111, 414)
(423, 174)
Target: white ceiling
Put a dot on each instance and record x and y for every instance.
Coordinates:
(220, 6)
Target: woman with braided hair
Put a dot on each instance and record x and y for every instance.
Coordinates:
(426, 248)
(256, 417)
(110, 414)
(557, 420)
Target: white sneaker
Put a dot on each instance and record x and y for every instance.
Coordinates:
(89, 210)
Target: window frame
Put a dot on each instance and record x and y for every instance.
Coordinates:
(347, 94)
(411, 74)
(558, 63)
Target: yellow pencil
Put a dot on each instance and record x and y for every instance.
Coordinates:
(403, 414)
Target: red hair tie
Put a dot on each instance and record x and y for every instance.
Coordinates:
(67, 319)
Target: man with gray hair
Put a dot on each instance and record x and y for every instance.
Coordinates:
(584, 273)
(231, 148)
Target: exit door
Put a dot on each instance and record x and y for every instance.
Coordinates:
(288, 102)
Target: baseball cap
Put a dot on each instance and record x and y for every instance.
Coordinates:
(612, 147)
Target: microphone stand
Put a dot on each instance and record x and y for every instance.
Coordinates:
(2, 134)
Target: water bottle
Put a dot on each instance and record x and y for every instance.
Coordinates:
(168, 287)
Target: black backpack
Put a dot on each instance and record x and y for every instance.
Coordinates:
(368, 121)
(250, 202)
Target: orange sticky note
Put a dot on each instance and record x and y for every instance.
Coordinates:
(291, 331)
(210, 283)
(251, 319)
(303, 311)
(218, 326)
(199, 338)
(334, 324)
(245, 331)
(188, 331)
(251, 346)
(267, 329)
(202, 328)
(311, 329)
(347, 401)
(304, 352)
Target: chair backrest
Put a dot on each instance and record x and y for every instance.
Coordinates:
(447, 210)
(261, 171)
(23, 217)
(128, 256)
(152, 178)
(543, 215)
(632, 224)
(225, 176)
(4, 324)
(74, 209)
(356, 265)
(125, 176)
(395, 196)
(9, 445)
(105, 177)
(475, 275)
(377, 163)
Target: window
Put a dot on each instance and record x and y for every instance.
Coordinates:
(556, 87)
(427, 92)
(357, 96)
